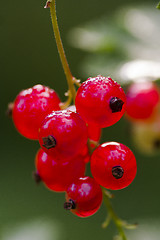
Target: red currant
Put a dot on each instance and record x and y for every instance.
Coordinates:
(30, 108)
(57, 175)
(63, 134)
(100, 101)
(113, 165)
(83, 197)
(94, 131)
(85, 154)
(142, 100)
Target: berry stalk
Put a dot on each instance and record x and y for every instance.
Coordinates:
(70, 79)
(112, 215)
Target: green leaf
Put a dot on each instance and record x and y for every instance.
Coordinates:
(158, 6)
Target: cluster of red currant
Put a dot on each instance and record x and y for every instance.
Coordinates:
(64, 137)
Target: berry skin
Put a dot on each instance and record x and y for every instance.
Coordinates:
(100, 101)
(83, 197)
(30, 108)
(94, 131)
(113, 165)
(57, 175)
(63, 134)
(142, 101)
(85, 154)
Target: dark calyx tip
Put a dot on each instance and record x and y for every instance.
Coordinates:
(36, 177)
(9, 109)
(116, 104)
(156, 144)
(49, 142)
(117, 172)
(69, 205)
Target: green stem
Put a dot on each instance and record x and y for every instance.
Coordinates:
(113, 215)
(69, 77)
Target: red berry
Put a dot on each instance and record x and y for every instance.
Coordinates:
(57, 175)
(63, 134)
(83, 197)
(85, 154)
(142, 100)
(113, 165)
(30, 108)
(100, 101)
(94, 131)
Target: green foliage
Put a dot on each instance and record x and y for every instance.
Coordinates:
(131, 34)
(158, 6)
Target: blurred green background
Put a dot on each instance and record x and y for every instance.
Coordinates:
(29, 56)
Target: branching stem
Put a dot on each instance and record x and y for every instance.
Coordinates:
(69, 77)
(112, 215)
